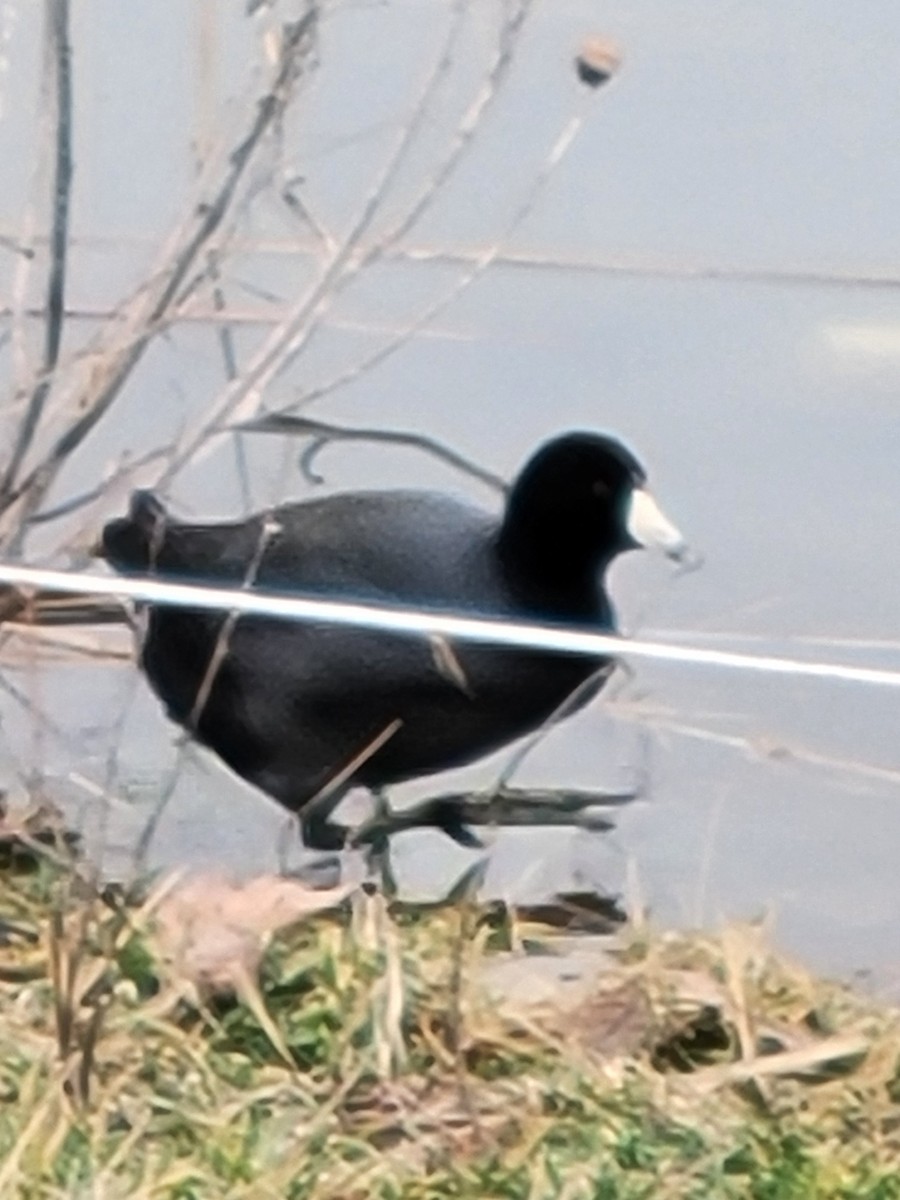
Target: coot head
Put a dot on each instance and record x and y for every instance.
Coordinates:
(579, 501)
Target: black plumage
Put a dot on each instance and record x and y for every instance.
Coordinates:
(287, 705)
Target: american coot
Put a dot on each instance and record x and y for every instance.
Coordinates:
(289, 706)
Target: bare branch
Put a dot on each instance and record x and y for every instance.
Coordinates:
(289, 338)
(120, 348)
(322, 433)
(479, 265)
(229, 362)
(268, 528)
(60, 61)
(121, 472)
(465, 133)
(466, 130)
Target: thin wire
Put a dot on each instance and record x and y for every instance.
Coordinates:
(396, 620)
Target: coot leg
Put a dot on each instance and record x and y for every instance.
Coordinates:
(378, 848)
(315, 868)
(319, 831)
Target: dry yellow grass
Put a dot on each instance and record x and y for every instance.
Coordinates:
(375, 1054)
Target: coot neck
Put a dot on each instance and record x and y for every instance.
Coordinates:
(555, 570)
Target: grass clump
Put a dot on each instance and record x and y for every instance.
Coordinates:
(369, 1053)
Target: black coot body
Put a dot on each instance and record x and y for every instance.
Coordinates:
(289, 704)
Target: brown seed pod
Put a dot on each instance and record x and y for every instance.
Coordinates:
(598, 59)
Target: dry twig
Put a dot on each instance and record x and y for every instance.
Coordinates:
(114, 354)
(59, 67)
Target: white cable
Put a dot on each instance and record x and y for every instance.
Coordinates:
(396, 620)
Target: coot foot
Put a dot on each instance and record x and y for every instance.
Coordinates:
(507, 807)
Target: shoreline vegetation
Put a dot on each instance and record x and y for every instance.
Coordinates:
(208, 1038)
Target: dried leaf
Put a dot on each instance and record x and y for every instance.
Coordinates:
(212, 931)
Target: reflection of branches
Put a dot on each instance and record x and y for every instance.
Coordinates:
(59, 65)
(114, 356)
(322, 433)
(766, 748)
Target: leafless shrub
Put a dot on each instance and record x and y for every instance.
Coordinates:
(66, 388)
